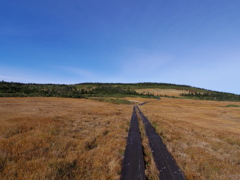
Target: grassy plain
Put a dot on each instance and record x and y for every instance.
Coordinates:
(60, 138)
(203, 136)
(162, 92)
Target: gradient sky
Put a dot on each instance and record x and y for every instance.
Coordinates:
(191, 42)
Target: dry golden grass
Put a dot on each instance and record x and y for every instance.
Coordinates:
(138, 100)
(162, 92)
(60, 138)
(203, 136)
(151, 171)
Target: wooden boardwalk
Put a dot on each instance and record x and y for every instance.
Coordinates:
(133, 167)
(133, 164)
(164, 161)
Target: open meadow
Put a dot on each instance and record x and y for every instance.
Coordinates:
(162, 92)
(203, 136)
(63, 138)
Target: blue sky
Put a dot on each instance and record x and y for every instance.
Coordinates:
(191, 42)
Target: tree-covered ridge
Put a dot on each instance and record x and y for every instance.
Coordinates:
(84, 90)
(8, 89)
(112, 90)
(34, 90)
(212, 95)
(142, 85)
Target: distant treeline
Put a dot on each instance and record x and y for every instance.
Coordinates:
(143, 85)
(34, 90)
(84, 90)
(12, 89)
(212, 95)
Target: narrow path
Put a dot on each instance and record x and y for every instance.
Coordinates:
(164, 161)
(133, 164)
(144, 103)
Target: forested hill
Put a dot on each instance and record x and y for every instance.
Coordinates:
(13, 89)
(84, 90)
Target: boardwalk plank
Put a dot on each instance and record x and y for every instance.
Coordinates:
(133, 164)
(164, 161)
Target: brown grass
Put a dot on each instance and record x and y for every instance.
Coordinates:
(60, 138)
(162, 92)
(151, 169)
(203, 136)
(138, 100)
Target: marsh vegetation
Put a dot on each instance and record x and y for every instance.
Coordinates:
(85, 137)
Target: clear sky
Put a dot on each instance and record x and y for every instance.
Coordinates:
(191, 42)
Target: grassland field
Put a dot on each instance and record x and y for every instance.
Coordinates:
(63, 138)
(203, 136)
(162, 92)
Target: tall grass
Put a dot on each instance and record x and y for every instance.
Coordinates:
(60, 138)
(113, 100)
(203, 136)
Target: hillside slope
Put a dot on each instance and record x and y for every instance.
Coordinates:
(85, 90)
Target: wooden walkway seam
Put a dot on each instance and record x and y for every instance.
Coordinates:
(133, 167)
(164, 161)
